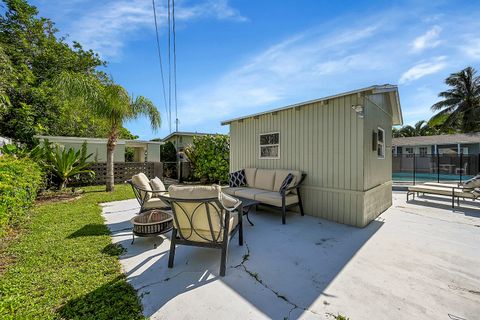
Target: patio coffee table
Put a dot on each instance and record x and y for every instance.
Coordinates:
(247, 205)
(151, 223)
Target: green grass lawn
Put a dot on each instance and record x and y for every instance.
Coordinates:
(63, 265)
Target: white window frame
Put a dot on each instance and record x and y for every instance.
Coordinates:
(268, 145)
(381, 144)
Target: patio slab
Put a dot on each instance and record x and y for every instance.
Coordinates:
(418, 260)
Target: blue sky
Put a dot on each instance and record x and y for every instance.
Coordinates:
(240, 57)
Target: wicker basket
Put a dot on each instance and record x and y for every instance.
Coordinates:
(152, 222)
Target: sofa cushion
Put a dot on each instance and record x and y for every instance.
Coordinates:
(249, 193)
(280, 176)
(141, 181)
(250, 176)
(264, 179)
(232, 190)
(275, 199)
(237, 179)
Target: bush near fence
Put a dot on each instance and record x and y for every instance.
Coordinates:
(20, 180)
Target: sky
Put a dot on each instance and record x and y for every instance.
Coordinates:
(240, 57)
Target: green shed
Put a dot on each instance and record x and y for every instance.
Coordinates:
(342, 142)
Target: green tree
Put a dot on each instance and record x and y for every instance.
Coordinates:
(460, 107)
(31, 55)
(211, 156)
(110, 102)
(168, 152)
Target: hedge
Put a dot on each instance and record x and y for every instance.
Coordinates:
(19, 181)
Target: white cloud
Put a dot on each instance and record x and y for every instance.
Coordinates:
(472, 49)
(106, 28)
(422, 69)
(281, 72)
(430, 39)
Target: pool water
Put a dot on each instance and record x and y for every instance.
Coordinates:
(427, 177)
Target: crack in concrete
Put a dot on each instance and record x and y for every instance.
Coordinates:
(165, 280)
(255, 276)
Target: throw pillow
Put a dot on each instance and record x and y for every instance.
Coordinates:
(286, 183)
(472, 183)
(157, 185)
(237, 179)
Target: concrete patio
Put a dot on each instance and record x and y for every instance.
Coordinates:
(418, 260)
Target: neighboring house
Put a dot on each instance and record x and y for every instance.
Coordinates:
(143, 150)
(466, 143)
(182, 139)
(342, 142)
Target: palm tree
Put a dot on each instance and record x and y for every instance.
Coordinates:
(111, 102)
(460, 106)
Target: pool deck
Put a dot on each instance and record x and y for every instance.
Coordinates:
(418, 260)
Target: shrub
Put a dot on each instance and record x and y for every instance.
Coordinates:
(210, 156)
(19, 181)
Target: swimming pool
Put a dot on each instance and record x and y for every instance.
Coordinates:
(427, 177)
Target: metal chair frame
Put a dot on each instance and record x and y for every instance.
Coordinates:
(213, 207)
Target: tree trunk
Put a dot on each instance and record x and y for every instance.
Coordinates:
(110, 183)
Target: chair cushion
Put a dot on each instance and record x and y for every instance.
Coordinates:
(250, 176)
(472, 183)
(157, 185)
(200, 235)
(249, 193)
(275, 199)
(280, 176)
(141, 181)
(200, 214)
(237, 179)
(155, 203)
(264, 179)
(194, 192)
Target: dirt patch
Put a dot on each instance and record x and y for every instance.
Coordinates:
(58, 197)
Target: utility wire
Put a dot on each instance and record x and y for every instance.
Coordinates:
(169, 70)
(160, 56)
(175, 65)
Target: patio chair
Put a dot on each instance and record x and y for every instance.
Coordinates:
(462, 170)
(147, 197)
(203, 216)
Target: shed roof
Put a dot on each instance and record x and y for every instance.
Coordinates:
(386, 88)
(439, 139)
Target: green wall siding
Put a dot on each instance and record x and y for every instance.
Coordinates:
(327, 141)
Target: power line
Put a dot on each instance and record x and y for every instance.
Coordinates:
(169, 70)
(160, 56)
(175, 65)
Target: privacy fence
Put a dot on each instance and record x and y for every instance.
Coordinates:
(415, 168)
(125, 170)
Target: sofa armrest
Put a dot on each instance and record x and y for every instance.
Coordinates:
(296, 186)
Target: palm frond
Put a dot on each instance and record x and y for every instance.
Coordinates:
(144, 106)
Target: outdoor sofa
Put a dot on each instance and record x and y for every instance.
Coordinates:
(467, 190)
(272, 187)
